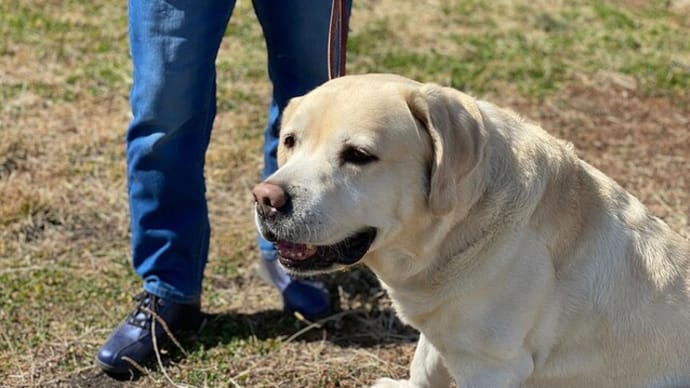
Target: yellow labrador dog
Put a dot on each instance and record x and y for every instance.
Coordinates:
(520, 264)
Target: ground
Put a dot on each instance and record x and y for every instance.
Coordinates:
(611, 77)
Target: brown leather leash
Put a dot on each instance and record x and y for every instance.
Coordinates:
(337, 34)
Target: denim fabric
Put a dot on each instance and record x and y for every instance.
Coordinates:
(174, 44)
(296, 35)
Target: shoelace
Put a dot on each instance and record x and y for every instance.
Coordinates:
(145, 312)
(141, 314)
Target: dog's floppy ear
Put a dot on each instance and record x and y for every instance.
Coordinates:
(455, 126)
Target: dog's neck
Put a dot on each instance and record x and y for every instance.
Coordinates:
(454, 246)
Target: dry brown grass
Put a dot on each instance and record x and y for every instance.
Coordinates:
(65, 277)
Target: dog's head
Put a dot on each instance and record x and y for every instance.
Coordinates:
(366, 162)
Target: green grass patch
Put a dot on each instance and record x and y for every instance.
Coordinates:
(83, 45)
(538, 49)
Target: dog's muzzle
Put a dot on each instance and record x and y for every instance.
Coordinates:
(273, 204)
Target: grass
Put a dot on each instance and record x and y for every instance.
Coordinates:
(612, 77)
(535, 47)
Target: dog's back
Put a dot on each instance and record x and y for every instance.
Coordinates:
(623, 277)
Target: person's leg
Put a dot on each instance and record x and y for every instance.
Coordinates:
(173, 45)
(296, 34)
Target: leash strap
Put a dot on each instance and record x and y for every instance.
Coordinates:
(337, 35)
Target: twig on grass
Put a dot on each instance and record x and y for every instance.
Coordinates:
(136, 365)
(167, 330)
(165, 327)
(319, 323)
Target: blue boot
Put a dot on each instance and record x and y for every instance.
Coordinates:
(133, 339)
(308, 298)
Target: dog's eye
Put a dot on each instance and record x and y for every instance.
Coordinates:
(357, 156)
(289, 141)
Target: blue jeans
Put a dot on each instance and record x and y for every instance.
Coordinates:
(174, 44)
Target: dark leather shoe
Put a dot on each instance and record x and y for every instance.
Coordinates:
(310, 299)
(133, 338)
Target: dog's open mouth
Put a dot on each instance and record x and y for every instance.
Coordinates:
(305, 257)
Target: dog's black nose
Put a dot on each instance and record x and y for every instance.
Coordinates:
(269, 198)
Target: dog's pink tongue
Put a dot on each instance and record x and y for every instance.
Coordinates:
(295, 251)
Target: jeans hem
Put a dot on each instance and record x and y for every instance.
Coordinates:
(169, 293)
(269, 254)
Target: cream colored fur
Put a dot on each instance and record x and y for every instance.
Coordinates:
(520, 264)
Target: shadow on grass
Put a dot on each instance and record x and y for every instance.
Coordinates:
(367, 320)
(346, 328)
(372, 323)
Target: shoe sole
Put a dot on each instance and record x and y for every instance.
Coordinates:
(112, 370)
